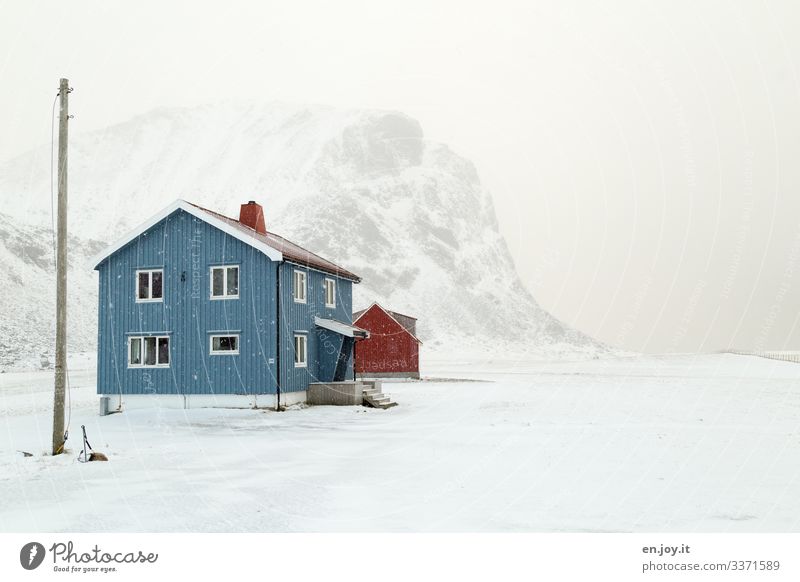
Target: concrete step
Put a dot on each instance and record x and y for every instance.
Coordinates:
(384, 405)
(381, 401)
(373, 393)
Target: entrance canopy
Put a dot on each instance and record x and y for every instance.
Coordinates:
(341, 328)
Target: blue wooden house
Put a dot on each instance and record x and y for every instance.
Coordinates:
(198, 309)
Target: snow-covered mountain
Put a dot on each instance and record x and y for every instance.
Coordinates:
(362, 188)
(28, 298)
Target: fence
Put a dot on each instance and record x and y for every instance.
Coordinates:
(772, 355)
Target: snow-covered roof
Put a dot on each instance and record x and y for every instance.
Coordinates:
(340, 327)
(289, 250)
(272, 245)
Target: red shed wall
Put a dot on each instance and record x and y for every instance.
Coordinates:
(390, 348)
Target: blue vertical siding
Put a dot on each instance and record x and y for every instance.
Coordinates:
(186, 247)
(323, 345)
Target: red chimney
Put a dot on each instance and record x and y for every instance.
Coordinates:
(252, 215)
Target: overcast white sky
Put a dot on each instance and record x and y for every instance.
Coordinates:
(644, 157)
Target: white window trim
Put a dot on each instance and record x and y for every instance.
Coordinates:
(224, 282)
(304, 299)
(304, 363)
(143, 365)
(214, 352)
(150, 286)
(333, 291)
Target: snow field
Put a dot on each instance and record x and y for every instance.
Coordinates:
(670, 443)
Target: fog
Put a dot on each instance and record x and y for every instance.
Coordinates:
(643, 158)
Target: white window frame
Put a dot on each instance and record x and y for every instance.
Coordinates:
(141, 338)
(301, 362)
(214, 352)
(148, 299)
(296, 287)
(225, 295)
(332, 284)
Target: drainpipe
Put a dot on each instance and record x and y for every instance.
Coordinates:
(356, 339)
(278, 340)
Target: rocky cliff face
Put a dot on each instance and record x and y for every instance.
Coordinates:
(362, 188)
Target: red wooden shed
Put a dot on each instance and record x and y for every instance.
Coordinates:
(392, 350)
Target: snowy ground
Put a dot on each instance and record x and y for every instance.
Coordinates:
(673, 443)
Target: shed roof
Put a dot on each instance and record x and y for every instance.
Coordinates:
(407, 322)
(274, 246)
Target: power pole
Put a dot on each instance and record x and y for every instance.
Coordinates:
(61, 272)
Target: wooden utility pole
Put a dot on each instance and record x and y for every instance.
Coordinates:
(61, 272)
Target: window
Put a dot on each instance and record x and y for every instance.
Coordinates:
(224, 344)
(330, 293)
(300, 350)
(150, 285)
(148, 351)
(224, 282)
(299, 287)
